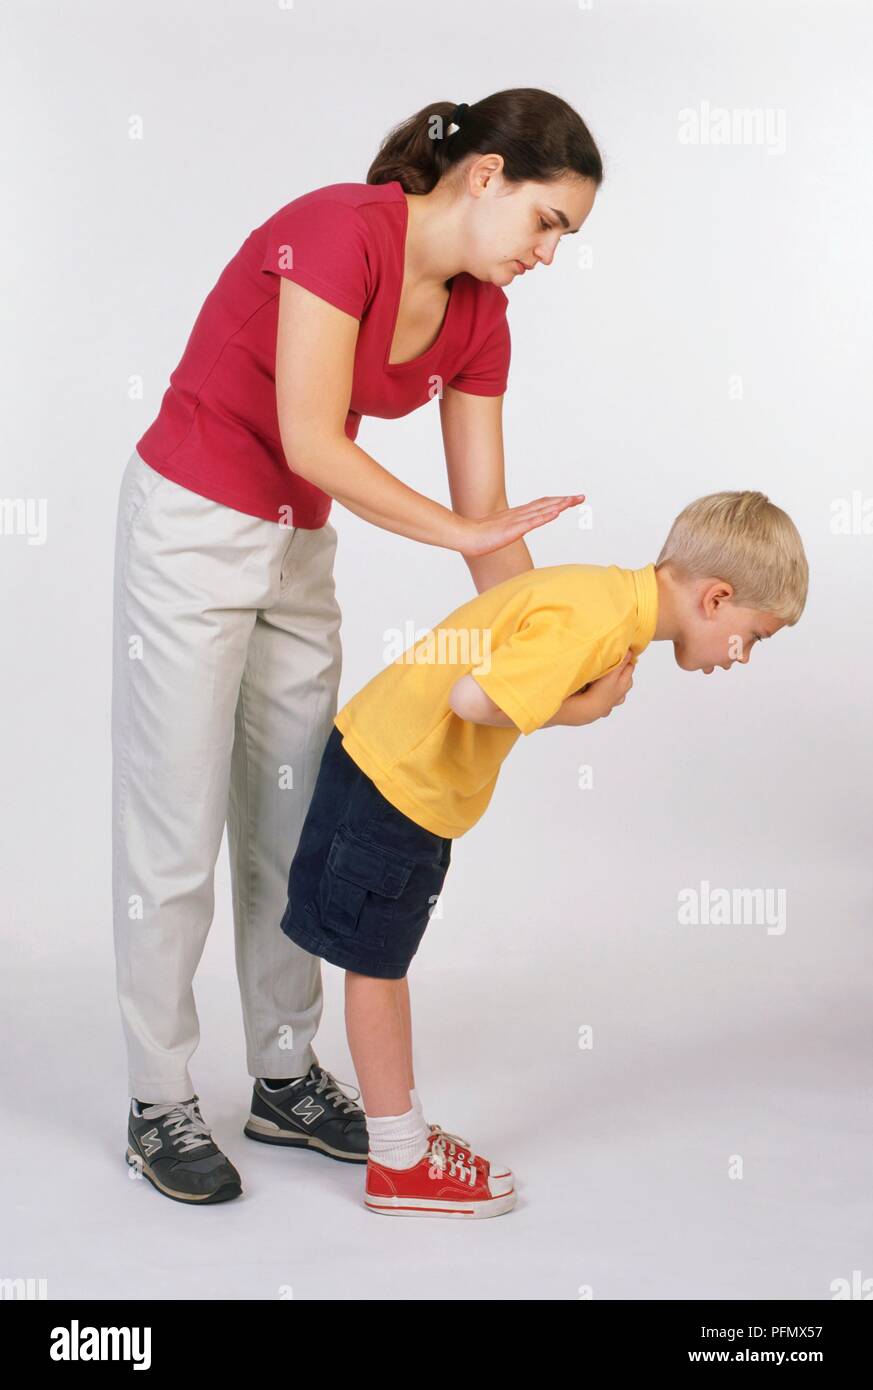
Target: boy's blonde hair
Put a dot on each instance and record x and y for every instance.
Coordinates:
(746, 539)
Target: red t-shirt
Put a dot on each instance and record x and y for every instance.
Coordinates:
(217, 431)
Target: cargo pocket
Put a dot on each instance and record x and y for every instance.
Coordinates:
(359, 888)
(418, 904)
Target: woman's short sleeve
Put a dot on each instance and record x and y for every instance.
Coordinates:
(486, 374)
(321, 245)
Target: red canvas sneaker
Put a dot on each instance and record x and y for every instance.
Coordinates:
(440, 1184)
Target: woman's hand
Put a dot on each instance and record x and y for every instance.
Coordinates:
(480, 536)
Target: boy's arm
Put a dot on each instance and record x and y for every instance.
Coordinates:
(469, 701)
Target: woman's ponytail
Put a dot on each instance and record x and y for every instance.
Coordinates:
(539, 135)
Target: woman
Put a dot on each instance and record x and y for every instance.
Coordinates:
(354, 299)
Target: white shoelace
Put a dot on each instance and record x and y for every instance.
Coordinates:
(452, 1141)
(183, 1121)
(440, 1161)
(333, 1090)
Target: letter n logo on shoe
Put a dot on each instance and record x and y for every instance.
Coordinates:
(308, 1110)
(151, 1142)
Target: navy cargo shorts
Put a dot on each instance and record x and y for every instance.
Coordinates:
(365, 878)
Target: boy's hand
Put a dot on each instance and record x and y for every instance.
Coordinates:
(602, 696)
(598, 698)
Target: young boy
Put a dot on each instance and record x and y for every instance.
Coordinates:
(412, 762)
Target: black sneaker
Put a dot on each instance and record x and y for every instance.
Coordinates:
(311, 1113)
(171, 1146)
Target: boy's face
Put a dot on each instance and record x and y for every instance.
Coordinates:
(714, 631)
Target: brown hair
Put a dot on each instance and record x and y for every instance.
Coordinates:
(746, 539)
(539, 135)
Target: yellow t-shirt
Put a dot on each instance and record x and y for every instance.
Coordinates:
(530, 642)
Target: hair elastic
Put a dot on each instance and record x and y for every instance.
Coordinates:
(455, 117)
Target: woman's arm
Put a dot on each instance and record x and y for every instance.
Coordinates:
(472, 430)
(315, 355)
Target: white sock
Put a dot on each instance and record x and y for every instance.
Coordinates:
(397, 1141)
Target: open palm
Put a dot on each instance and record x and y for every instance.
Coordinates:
(502, 528)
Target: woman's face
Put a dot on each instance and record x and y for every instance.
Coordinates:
(515, 227)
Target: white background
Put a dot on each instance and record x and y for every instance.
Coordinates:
(708, 263)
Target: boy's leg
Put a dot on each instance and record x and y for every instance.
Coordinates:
(376, 1025)
(411, 1169)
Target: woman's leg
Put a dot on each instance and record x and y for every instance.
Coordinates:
(181, 631)
(287, 702)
